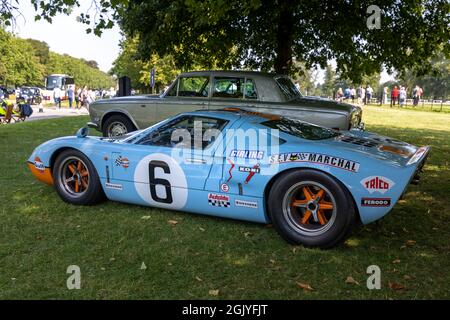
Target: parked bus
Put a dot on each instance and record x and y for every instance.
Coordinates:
(52, 81)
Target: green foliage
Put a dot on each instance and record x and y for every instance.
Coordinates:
(18, 65)
(138, 70)
(27, 62)
(84, 74)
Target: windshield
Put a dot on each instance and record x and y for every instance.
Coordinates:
(301, 129)
(289, 89)
(53, 81)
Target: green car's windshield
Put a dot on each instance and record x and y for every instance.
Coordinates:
(289, 89)
(301, 129)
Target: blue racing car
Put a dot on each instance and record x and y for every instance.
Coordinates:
(312, 183)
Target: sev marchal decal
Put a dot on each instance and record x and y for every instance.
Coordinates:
(319, 158)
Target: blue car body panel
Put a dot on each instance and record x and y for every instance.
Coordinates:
(234, 183)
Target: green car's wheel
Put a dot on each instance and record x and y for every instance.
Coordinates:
(117, 125)
(76, 179)
(310, 207)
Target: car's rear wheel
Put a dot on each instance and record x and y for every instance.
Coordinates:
(76, 179)
(117, 125)
(310, 207)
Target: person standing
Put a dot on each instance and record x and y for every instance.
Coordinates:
(78, 98)
(385, 95)
(70, 95)
(402, 96)
(57, 96)
(394, 96)
(369, 92)
(352, 94)
(416, 95)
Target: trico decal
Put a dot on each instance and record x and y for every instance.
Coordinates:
(247, 154)
(316, 158)
(113, 186)
(375, 202)
(377, 184)
(122, 161)
(246, 204)
(39, 164)
(218, 200)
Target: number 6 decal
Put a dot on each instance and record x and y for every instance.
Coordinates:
(160, 182)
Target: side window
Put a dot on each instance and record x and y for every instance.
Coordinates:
(250, 89)
(233, 87)
(173, 90)
(193, 87)
(181, 132)
(228, 87)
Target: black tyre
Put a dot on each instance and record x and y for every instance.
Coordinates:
(76, 179)
(117, 125)
(310, 207)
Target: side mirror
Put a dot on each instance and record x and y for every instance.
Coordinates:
(82, 132)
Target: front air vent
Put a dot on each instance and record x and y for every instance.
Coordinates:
(360, 142)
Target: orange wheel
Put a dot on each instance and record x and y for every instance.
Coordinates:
(74, 176)
(310, 207)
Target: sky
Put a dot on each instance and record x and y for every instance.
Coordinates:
(66, 35)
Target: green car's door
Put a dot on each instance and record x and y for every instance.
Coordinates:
(233, 91)
(189, 93)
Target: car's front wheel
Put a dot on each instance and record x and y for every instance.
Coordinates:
(117, 125)
(310, 207)
(76, 180)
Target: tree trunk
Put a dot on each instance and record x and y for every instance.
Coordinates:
(283, 59)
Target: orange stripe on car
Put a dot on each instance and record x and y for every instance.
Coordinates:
(44, 175)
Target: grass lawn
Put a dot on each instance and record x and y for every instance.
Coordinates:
(41, 236)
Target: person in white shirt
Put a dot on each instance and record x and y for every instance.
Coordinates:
(57, 96)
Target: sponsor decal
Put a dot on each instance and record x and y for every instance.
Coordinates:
(218, 200)
(252, 172)
(324, 159)
(224, 187)
(247, 154)
(254, 169)
(122, 162)
(113, 186)
(246, 204)
(377, 184)
(39, 164)
(231, 169)
(375, 202)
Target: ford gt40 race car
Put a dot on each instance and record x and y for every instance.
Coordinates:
(312, 183)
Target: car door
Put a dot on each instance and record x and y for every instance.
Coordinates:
(233, 91)
(169, 162)
(189, 93)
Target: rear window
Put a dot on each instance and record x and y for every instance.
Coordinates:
(289, 89)
(301, 129)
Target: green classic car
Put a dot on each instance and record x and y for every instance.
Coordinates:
(255, 91)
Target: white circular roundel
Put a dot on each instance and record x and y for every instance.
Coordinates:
(160, 181)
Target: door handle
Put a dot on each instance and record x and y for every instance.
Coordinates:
(195, 160)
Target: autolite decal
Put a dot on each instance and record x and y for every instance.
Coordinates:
(39, 164)
(375, 202)
(377, 184)
(337, 162)
(218, 200)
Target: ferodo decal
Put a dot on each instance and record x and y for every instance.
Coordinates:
(375, 202)
(39, 164)
(377, 184)
(324, 159)
(160, 181)
(113, 186)
(246, 204)
(122, 162)
(247, 154)
(218, 200)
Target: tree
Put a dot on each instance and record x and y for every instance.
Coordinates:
(328, 86)
(40, 49)
(270, 34)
